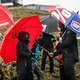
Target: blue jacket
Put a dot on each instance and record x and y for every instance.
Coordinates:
(36, 52)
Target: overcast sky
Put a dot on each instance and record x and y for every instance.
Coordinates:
(69, 4)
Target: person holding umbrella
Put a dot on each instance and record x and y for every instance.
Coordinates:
(69, 49)
(47, 46)
(8, 49)
(24, 62)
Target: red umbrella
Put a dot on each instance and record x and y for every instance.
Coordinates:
(6, 18)
(30, 24)
(59, 12)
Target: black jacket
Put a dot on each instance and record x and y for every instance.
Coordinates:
(68, 46)
(24, 62)
(46, 42)
(23, 53)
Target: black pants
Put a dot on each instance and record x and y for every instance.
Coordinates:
(45, 54)
(67, 69)
(25, 73)
(37, 71)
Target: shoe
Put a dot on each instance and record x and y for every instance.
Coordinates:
(52, 74)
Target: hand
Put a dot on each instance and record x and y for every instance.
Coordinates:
(51, 54)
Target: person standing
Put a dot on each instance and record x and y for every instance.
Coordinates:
(69, 49)
(24, 62)
(47, 44)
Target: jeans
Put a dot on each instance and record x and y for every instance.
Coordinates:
(67, 69)
(37, 71)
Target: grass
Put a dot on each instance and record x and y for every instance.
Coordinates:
(22, 12)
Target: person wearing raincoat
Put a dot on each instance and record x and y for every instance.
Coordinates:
(69, 49)
(24, 62)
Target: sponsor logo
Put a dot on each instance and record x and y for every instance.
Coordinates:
(75, 25)
(61, 15)
(3, 24)
(44, 27)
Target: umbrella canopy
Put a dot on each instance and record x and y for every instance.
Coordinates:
(49, 24)
(30, 24)
(49, 36)
(68, 18)
(6, 18)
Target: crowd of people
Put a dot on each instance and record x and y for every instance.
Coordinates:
(64, 47)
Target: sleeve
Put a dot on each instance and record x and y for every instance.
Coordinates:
(68, 41)
(57, 52)
(21, 51)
